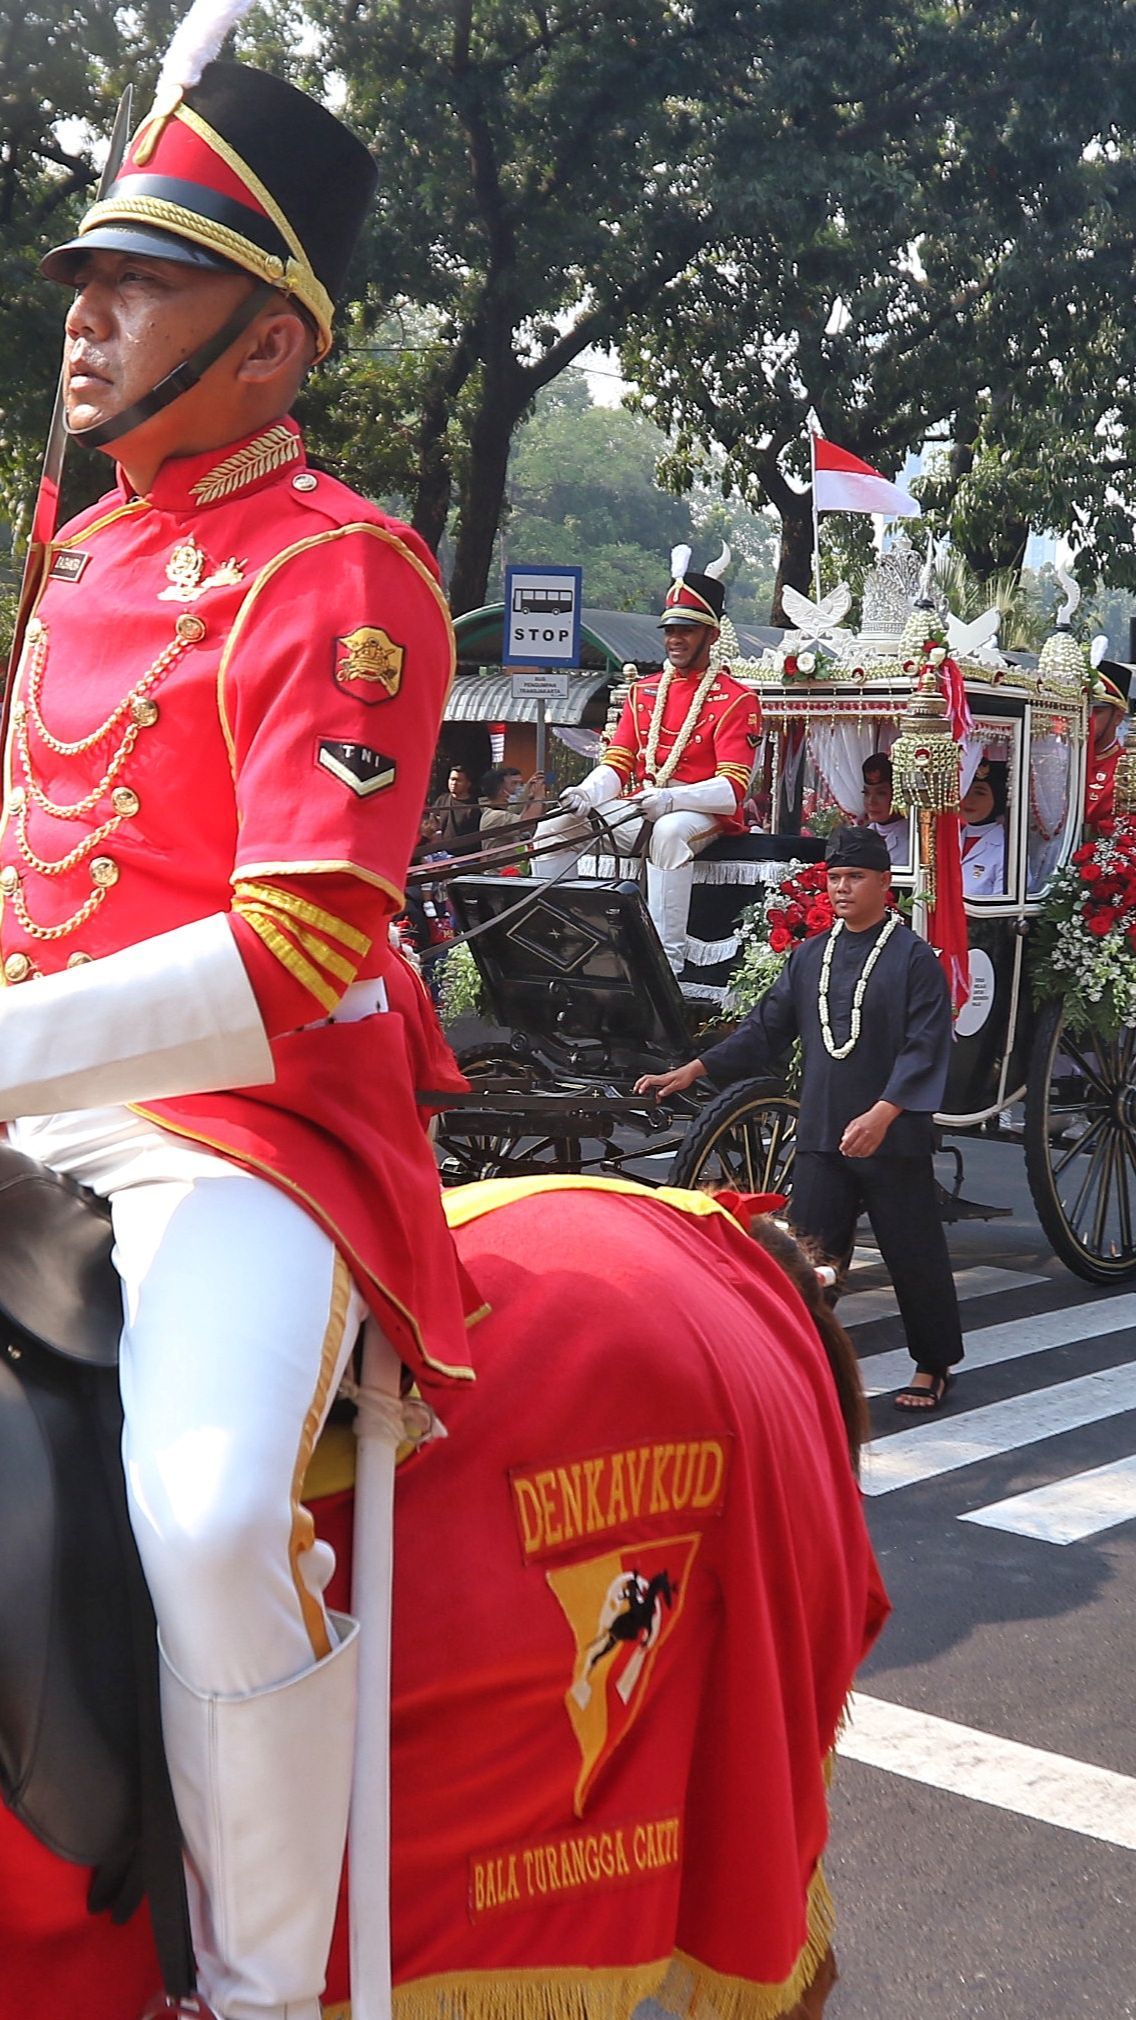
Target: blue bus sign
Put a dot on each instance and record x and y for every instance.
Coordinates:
(542, 617)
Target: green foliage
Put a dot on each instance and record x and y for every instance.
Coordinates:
(954, 261)
(461, 992)
(8, 603)
(582, 489)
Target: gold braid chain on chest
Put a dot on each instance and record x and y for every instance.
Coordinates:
(657, 774)
(135, 712)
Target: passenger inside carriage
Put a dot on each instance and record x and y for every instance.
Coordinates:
(984, 830)
(880, 812)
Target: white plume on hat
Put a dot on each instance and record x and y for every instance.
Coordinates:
(196, 42)
(680, 562)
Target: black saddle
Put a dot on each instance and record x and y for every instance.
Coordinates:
(81, 1761)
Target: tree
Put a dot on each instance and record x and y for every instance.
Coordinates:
(57, 95)
(550, 170)
(990, 309)
(581, 489)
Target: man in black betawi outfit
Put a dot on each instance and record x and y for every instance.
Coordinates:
(869, 1003)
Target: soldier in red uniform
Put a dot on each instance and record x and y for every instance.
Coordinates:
(1109, 710)
(220, 739)
(681, 756)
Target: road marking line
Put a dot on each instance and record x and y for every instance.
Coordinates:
(1068, 1510)
(1050, 1787)
(980, 1282)
(1012, 1340)
(927, 1450)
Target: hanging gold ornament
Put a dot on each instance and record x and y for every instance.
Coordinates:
(925, 756)
(1124, 787)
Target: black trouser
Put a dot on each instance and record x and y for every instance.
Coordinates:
(898, 1195)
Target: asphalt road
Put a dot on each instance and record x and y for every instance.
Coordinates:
(984, 1811)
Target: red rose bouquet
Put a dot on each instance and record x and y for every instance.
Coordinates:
(791, 910)
(1084, 949)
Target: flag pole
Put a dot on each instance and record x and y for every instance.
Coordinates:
(816, 513)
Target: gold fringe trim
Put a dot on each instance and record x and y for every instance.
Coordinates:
(682, 1986)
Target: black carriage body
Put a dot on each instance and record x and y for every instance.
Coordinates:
(576, 971)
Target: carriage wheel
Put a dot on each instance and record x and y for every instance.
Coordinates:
(1080, 1139)
(745, 1139)
(507, 1149)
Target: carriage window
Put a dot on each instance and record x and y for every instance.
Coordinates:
(838, 774)
(987, 782)
(1051, 761)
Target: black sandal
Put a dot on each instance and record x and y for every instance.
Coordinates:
(924, 1402)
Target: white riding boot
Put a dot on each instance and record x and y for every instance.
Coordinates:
(262, 1785)
(668, 901)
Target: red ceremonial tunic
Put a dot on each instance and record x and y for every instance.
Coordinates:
(228, 702)
(721, 744)
(1100, 785)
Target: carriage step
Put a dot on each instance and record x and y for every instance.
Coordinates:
(952, 1206)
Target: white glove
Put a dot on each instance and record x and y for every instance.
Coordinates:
(574, 800)
(708, 796)
(601, 785)
(655, 801)
(172, 1015)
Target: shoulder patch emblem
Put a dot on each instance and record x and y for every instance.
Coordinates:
(369, 663)
(362, 770)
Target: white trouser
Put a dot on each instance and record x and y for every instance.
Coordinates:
(239, 1319)
(675, 840)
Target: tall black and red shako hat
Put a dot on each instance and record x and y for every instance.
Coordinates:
(692, 598)
(1113, 683)
(232, 168)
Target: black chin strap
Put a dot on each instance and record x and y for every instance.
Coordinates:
(180, 379)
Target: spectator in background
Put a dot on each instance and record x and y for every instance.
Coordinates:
(879, 812)
(459, 815)
(506, 798)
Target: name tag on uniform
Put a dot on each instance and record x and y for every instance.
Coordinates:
(68, 565)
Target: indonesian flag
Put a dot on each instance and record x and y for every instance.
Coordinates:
(841, 483)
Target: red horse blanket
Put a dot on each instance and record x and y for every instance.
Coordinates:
(633, 1586)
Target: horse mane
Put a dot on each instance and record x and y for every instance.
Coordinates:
(799, 1257)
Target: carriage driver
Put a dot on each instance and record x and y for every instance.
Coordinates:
(220, 745)
(682, 753)
(1110, 702)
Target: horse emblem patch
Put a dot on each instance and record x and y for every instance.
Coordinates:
(622, 1608)
(369, 663)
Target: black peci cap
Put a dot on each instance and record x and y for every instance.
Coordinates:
(857, 849)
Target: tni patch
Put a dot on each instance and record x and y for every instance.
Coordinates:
(362, 770)
(368, 663)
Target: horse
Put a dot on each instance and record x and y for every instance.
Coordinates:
(666, 1408)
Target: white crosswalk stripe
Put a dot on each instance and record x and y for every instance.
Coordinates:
(1067, 1510)
(1075, 1795)
(990, 1346)
(943, 1445)
(979, 1282)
